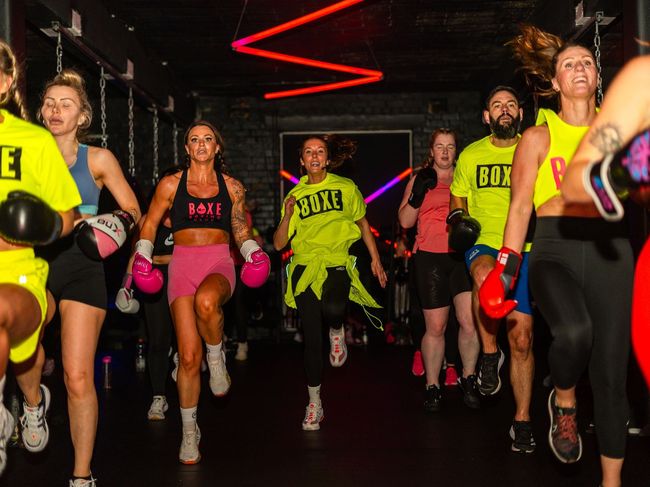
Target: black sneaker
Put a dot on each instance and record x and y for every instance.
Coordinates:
(470, 392)
(489, 381)
(432, 399)
(563, 436)
(521, 433)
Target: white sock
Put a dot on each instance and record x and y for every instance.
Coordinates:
(188, 418)
(314, 394)
(214, 351)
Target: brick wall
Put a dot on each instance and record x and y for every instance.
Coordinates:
(251, 128)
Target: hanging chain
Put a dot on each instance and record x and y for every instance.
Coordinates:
(599, 19)
(102, 106)
(175, 142)
(131, 142)
(155, 145)
(59, 49)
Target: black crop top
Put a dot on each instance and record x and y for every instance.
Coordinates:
(191, 212)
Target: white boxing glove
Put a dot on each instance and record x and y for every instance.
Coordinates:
(100, 236)
(125, 301)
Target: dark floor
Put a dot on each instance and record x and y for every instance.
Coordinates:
(374, 434)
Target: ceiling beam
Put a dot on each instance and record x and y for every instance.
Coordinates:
(105, 41)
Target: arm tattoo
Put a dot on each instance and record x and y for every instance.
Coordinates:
(606, 138)
(240, 230)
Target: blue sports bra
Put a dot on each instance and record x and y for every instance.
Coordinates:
(85, 182)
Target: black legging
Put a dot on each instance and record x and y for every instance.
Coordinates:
(581, 272)
(159, 332)
(236, 312)
(314, 313)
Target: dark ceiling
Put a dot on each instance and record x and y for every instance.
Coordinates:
(420, 45)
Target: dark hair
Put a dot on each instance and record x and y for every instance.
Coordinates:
(537, 52)
(219, 160)
(439, 131)
(498, 88)
(339, 149)
(9, 66)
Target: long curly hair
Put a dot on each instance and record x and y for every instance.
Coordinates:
(537, 52)
(13, 98)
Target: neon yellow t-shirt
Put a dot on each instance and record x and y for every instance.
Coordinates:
(482, 176)
(31, 161)
(323, 227)
(564, 141)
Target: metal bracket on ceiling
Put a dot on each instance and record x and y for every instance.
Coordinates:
(585, 21)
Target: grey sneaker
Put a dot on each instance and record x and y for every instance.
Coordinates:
(338, 348)
(563, 436)
(91, 482)
(6, 429)
(34, 425)
(158, 408)
(313, 416)
(242, 351)
(189, 453)
(219, 378)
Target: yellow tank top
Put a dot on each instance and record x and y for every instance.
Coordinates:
(564, 140)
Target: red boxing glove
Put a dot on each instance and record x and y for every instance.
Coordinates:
(256, 272)
(148, 279)
(498, 283)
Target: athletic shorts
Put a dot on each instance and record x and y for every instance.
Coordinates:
(439, 277)
(191, 264)
(521, 291)
(73, 275)
(22, 268)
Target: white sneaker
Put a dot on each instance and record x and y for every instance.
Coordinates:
(189, 453)
(34, 425)
(158, 408)
(219, 378)
(242, 351)
(83, 482)
(204, 367)
(338, 348)
(175, 371)
(313, 416)
(6, 429)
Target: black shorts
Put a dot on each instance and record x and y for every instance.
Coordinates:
(73, 276)
(439, 277)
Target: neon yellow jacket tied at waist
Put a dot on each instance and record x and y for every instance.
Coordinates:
(315, 274)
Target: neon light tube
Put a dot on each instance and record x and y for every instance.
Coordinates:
(388, 185)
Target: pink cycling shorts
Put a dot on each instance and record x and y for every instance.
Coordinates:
(191, 264)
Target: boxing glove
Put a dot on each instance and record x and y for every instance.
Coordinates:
(498, 283)
(463, 230)
(618, 176)
(257, 267)
(124, 300)
(425, 179)
(28, 220)
(100, 236)
(148, 279)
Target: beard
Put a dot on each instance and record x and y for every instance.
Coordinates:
(505, 131)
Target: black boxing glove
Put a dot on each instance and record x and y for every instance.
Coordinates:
(463, 230)
(425, 179)
(26, 219)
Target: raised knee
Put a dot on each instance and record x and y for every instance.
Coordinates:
(206, 307)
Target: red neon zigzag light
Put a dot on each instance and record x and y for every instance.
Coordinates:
(367, 75)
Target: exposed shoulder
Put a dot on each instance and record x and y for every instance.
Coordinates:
(235, 187)
(169, 184)
(538, 134)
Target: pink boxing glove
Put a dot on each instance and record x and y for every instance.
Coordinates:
(148, 279)
(257, 267)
